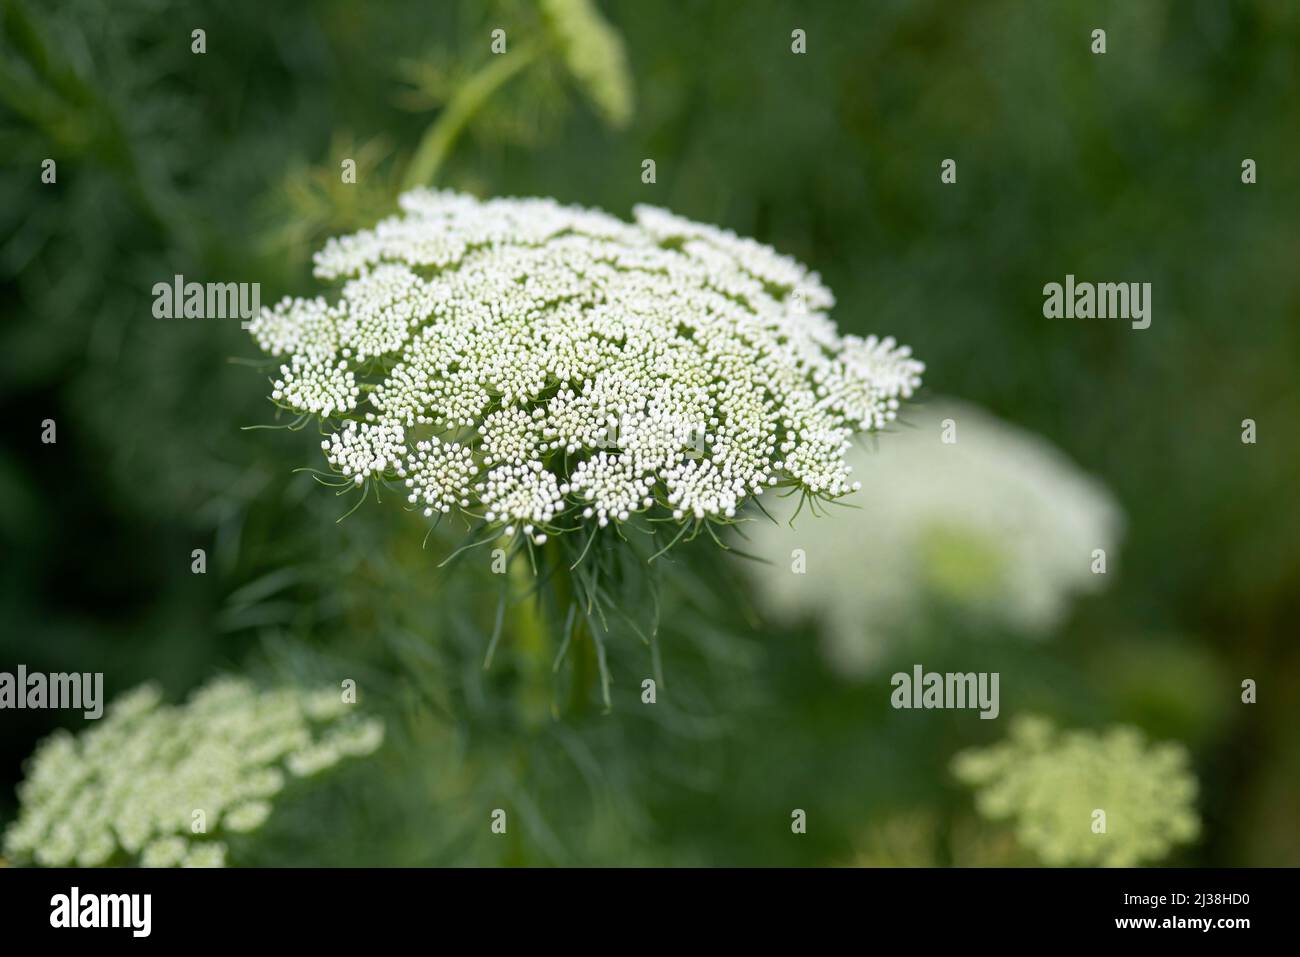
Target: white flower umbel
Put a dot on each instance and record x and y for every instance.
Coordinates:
(165, 786)
(547, 368)
(995, 523)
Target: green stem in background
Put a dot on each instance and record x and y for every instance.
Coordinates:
(583, 650)
(546, 638)
(577, 642)
(436, 144)
(531, 638)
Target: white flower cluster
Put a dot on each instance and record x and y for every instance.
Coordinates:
(534, 360)
(1052, 783)
(128, 789)
(995, 523)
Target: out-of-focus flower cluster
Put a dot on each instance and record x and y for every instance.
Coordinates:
(161, 785)
(1051, 783)
(995, 523)
(549, 366)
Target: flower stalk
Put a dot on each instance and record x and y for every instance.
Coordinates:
(437, 142)
(531, 634)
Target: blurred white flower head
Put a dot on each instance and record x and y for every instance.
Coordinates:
(134, 787)
(546, 367)
(1085, 798)
(956, 507)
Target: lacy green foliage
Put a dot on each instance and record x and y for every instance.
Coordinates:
(126, 790)
(1049, 783)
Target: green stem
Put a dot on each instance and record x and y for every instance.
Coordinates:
(580, 655)
(583, 652)
(532, 642)
(441, 136)
(536, 640)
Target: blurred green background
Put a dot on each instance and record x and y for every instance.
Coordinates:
(225, 167)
